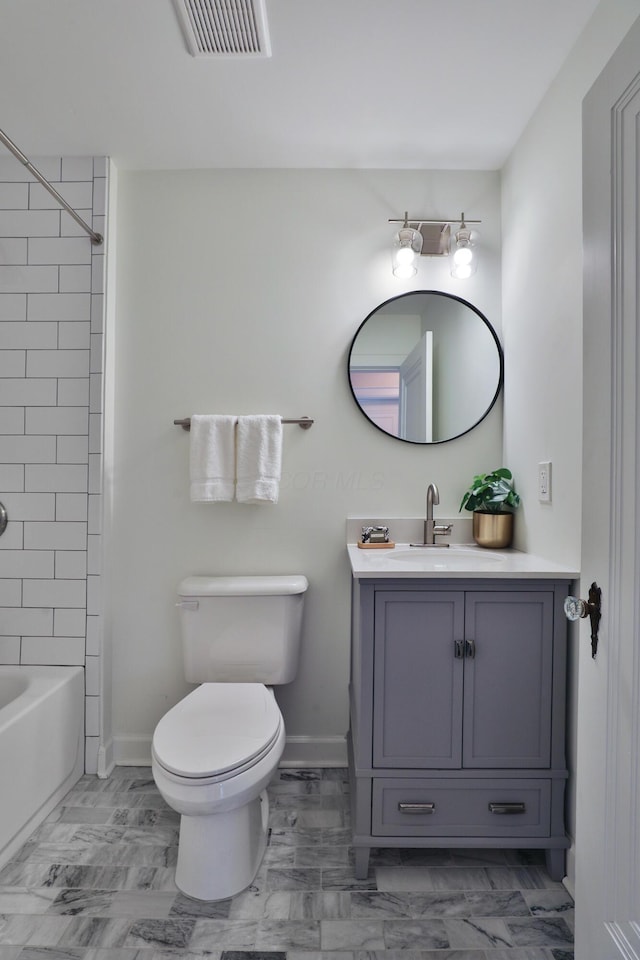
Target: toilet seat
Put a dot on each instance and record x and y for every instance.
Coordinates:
(217, 731)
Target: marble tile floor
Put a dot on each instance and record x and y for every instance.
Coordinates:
(95, 882)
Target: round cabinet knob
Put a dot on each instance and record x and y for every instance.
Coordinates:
(575, 609)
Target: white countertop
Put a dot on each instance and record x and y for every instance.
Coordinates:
(455, 562)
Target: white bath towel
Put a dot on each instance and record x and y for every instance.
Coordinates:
(259, 459)
(212, 457)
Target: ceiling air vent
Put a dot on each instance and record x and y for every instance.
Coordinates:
(225, 28)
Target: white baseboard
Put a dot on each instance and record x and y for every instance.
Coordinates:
(315, 752)
(570, 879)
(298, 752)
(106, 763)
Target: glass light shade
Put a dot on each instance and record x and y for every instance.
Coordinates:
(407, 245)
(464, 261)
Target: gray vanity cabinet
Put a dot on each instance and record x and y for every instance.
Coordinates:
(457, 715)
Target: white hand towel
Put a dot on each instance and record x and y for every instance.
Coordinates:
(259, 459)
(212, 457)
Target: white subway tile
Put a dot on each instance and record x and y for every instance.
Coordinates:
(74, 335)
(14, 196)
(30, 506)
(69, 421)
(94, 553)
(76, 250)
(54, 593)
(75, 279)
(100, 196)
(71, 564)
(95, 393)
(11, 171)
(54, 651)
(97, 343)
(91, 751)
(28, 450)
(55, 536)
(99, 224)
(21, 335)
(12, 363)
(21, 392)
(29, 223)
(77, 168)
(11, 477)
(13, 306)
(57, 363)
(69, 227)
(73, 450)
(73, 392)
(78, 195)
(71, 506)
(11, 420)
(10, 593)
(94, 636)
(92, 676)
(92, 716)
(13, 537)
(95, 513)
(26, 563)
(95, 432)
(94, 594)
(95, 473)
(9, 650)
(29, 279)
(59, 477)
(97, 273)
(59, 306)
(69, 623)
(100, 166)
(97, 312)
(24, 622)
(13, 251)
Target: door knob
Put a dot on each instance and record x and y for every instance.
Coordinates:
(4, 519)
(577, 609)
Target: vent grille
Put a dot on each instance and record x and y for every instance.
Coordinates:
(225, 28)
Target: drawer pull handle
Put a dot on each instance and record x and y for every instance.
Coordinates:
(417, 807)
(507, 808)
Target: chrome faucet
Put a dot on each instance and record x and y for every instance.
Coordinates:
(431, 528)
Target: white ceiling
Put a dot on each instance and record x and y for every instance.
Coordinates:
(350, 83)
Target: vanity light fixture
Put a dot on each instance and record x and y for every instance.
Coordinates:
(421, 236)
(407, 247)
(464, 261)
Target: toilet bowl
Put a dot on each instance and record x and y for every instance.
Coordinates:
(213, 755)
(215, 751)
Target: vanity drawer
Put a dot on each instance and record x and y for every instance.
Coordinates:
(476, 808)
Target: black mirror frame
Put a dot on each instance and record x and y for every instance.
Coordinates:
(450, 296)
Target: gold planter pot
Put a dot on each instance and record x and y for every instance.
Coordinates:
(492, 529)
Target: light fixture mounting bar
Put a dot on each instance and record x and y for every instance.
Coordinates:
(427, 220)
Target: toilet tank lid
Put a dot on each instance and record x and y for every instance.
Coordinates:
(242, 586)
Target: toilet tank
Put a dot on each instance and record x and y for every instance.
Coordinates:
(241, 629)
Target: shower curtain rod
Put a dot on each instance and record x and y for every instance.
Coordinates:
(19, 155)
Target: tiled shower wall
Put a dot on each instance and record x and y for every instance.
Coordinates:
(52, 308)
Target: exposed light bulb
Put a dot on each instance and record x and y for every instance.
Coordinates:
(464, 260)
(407, 245)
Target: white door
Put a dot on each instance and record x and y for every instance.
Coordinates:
(608, 767)
(416, 392)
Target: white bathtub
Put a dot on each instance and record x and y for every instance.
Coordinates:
(41, 746)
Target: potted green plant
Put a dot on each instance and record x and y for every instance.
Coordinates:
(492, 500)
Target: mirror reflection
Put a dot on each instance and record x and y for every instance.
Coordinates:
(425, 367)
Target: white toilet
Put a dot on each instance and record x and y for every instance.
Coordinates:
(214, 753)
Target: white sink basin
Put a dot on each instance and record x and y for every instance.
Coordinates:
(445, 558)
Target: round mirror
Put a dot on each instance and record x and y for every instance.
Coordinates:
(425, 367)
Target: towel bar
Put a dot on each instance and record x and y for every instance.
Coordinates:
(304, 422)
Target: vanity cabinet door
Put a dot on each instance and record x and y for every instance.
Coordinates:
(508, 679)
(418, 679)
